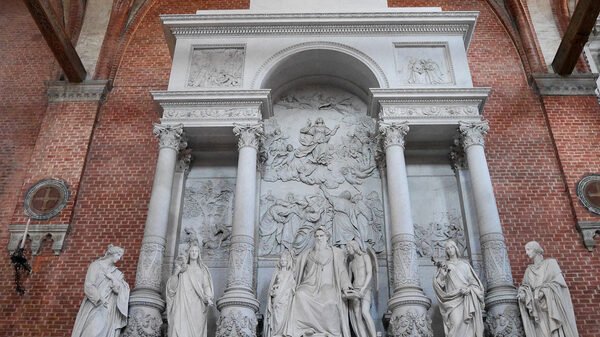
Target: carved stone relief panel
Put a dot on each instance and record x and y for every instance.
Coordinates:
(319, 169)
(216, 67)
(432, 236)
(424, 64)
(207, 215)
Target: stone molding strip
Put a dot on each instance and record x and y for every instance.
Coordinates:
(241, 23)
(37, 234)
(573, 85)
(91, 90)
(589, 230)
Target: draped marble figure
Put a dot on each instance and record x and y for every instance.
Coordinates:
(318, 308)
(103, 312)
(460, 294)
(189, 294)
(544, 298)
(281, 290)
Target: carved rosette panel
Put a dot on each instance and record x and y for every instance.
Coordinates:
(149, 268)
(410, 324)
(248, 135)
(143, 322)
(473, 133)
(504, 324)
(236, 323)
(406, 262)
(495, 259)
(170, 136)
(241, 259)
(393, 134)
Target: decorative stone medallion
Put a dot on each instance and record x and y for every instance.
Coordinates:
(588, 191)
(46, 198)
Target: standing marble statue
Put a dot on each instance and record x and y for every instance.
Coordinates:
(318, 308)
(281, 290)
(460, 294)
(363, 270)
(189, 294)
(544, 298)
(103, 312)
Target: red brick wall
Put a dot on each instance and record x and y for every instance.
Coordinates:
(118, 172)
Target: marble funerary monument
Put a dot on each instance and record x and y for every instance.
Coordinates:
(365, 124)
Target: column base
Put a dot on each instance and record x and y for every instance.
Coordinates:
(410, 316)
(238, 315)
(503, 317)
(145, 314)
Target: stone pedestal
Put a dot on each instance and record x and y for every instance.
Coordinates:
(239, 305)
(408, 303)
(501, 295)
(146, 303)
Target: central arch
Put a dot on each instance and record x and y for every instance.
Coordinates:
(331, 62)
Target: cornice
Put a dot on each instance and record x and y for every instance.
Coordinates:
(37, 234)
(572, 85)
(92, 90)
(428, 105)
(213, 107)
(380, 23)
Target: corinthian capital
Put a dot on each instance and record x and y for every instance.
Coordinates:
(169, 136)
(393, 133)
(473, 133)
(248, 135)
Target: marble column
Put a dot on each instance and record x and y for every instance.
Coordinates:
(146, 303)
(501, 296)
(408, 303)
(239, 305)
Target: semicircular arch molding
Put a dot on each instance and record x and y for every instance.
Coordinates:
(359, 63)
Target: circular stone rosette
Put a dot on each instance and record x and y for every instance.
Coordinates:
(588, 192)
(46, 199)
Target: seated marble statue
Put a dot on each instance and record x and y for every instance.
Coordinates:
(103, 312)
(460, 294)
(189, 294)
(318, 308)
(281, 290)
(544, 299)
(363, 271)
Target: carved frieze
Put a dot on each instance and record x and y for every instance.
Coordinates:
(424, 111)
(212, 113)
(216, 67)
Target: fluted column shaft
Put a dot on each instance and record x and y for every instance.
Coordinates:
(239, 305)
(408, 302)
(146, 303)
(501, 301)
